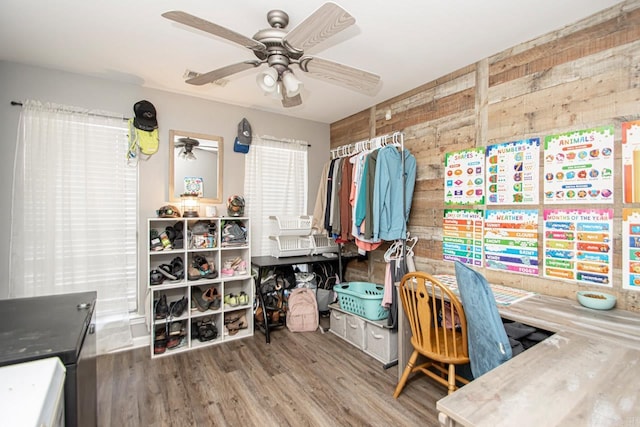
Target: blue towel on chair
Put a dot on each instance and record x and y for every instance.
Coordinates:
(488, 342)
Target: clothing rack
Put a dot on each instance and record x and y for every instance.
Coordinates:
(395, 138)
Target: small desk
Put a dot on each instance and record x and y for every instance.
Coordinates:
(585, 374)
(265, 262)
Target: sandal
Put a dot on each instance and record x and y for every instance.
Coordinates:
(207, 330)
(212, 297)
(177, 268)
(234, 323)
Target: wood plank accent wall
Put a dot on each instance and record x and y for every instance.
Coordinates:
(582, 76)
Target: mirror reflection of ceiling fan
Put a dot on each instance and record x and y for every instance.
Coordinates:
(280, 48)
(188, 145)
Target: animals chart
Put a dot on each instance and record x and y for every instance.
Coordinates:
(578, 166)
(511, 240)
(578, 245)
(462, 236)
(631, 249)
(464, 177)
(512, 172)
(631, 162)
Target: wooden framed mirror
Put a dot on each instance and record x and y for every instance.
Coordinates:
(195, 166)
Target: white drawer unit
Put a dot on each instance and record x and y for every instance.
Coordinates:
(381, 343)
(371, 336)
(355, 330)
(337, 323)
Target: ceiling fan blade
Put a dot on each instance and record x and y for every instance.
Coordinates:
(214, 75)
(288, 102)
(215, 29)
(325, 22)
(341, 75)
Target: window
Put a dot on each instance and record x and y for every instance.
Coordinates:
(276, 181)
(74, 211)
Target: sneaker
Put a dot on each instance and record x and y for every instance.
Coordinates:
(243, 298)
(227, 269)
(231, 299)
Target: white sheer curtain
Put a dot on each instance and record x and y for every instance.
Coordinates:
(275, 183)
(74, 215)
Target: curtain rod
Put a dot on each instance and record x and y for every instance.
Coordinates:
(288, 141)
(19, 104)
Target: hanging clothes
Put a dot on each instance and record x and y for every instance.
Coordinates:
(390, 222)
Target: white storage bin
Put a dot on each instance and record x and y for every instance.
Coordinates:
(323, 244)
(284, 246)
(337, 323)
(355, 330)
(381, 343)
(291, 225)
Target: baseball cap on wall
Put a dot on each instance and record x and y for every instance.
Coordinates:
(145, 118)
(243, 140)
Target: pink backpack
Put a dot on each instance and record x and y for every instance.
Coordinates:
(302, 313)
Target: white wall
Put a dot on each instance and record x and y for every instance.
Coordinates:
(20, 82)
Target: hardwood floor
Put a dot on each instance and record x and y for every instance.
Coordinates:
(300, 379)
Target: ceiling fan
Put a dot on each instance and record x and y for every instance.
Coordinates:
(280, 48)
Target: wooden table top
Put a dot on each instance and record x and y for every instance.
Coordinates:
(585, 374)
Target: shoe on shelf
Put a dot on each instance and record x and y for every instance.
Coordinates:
(212, 297)
(231, 299)
(241, 268)
(243, 298)
(176, 308)
(161, 308)
(194, 274)
(159, 346)
(166, 271)
(227, 269)
(176, 328)
(201, 303)
(177, 268)
(156, 277)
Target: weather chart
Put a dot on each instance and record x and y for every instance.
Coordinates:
(462, 236)
(578, 245)
(512, 172)
(464, 177)
(578, 166)
(631, 249)
(511, 240)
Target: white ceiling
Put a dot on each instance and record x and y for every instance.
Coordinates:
(406, 42)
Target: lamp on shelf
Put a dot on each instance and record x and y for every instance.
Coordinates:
(190, 205)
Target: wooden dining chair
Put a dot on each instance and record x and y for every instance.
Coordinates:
(438, 327)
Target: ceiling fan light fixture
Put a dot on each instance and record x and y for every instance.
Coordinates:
(291, 83)
(268, 80)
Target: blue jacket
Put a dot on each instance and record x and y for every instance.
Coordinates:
(389, 222)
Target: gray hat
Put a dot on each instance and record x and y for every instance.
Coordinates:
(243, 140)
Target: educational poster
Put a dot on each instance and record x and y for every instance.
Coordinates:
(578, 245)
(193, 185)
(631, 162)
(462, 236)
(511, 240)
(464, 177)
(512, 172)
(578, 166)
(631, 249)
